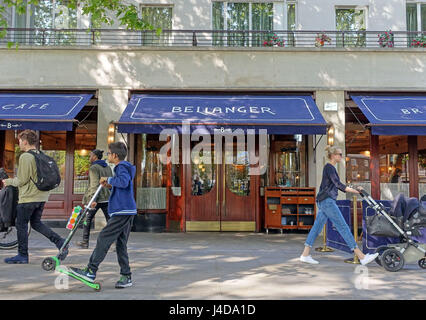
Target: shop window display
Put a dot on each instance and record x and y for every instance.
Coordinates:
(289, 161)
(150, 174)
(394, 176)
(421, 147)
(357, 158)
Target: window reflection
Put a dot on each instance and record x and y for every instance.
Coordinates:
(421, 147)
(394, 177)
(237, 173)
(289, 158)
(203, 172)
(150, 174)
(357, 158)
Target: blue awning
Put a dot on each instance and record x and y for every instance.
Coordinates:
(50, 112)
(151, 113)
(394, 115)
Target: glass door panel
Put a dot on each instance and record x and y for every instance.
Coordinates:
(421, 147)
(150, 174)
(394, 177)
(203, 173)
(85, 141)
(237, 174)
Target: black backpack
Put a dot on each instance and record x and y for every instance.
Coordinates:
(48, 176)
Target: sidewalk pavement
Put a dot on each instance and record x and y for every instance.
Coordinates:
(211, 266)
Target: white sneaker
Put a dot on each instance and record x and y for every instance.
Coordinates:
(368, 258)
(308, 259)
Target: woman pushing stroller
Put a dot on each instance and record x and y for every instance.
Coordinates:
(328, 209)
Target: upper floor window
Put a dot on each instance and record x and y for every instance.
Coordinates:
(52, 14)
(291, 16)
(160, 17)
(416, 16)
(239, 16)
(353, 21)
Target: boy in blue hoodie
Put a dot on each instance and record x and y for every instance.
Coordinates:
(121, 209)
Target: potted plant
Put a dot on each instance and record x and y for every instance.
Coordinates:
(274, 41)
(419, 42)
(386, 39)
(321, 39)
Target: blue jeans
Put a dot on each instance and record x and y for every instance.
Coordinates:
(328, 209)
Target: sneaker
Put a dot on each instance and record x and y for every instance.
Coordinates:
(124, 282)
(83, 244)
(85, 273)
(368, 258)
(17, 260)
(308, 259)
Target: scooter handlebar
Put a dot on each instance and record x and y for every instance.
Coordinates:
(363, 193)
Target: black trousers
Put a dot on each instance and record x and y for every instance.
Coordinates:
(31, 212)
(117, 229)
(90, 214)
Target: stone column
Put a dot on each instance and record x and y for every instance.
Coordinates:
(111, 104)
(337, 119)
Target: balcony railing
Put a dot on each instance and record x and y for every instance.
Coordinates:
(213, 38)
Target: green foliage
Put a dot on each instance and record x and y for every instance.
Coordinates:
(100, 11)
(81, 164)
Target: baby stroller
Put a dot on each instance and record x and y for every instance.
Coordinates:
(407, 220)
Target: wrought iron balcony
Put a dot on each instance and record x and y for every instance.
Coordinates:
(214, 38)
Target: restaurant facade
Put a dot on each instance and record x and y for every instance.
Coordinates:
(231, 120)
(207, 195)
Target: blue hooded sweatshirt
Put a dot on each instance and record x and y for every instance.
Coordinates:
(122, 201)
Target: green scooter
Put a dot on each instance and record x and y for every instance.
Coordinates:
(54, 263)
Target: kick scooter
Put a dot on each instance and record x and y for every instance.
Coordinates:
(54, 263)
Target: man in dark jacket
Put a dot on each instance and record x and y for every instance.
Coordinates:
(98, 168)
(121, 209)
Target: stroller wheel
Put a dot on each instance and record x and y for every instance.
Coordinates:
(392, 260)
(380, 250)
(422, 263)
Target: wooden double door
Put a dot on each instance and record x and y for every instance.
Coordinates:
(221, 195)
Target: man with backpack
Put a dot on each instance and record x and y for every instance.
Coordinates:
(31, 198)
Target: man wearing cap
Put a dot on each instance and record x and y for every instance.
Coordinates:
(98, 168)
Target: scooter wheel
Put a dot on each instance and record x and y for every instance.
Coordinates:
(99, 286)
(422, 263)
(48, 264)
(392, 260)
